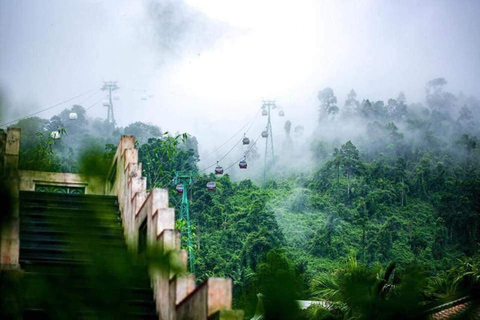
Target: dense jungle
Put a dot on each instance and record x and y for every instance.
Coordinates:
(383, 222)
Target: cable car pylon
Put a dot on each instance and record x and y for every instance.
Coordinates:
(269, 152)
(185, 179)
(110, 86)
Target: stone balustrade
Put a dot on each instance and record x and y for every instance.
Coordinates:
(175, 293)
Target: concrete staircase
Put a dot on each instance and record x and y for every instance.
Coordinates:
(73, 245)
(78, 256)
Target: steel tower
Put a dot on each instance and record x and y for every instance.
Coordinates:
(269, 160)
(110, 86)
(186, 179)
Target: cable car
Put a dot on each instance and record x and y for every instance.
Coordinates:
(211, 186)
(264, 134)
(218, 169)
(179, 188)
(116, 97)
(144, 97)
(245, 140)
(55, 135)
(281, 113)
(106, 103)
(264, 113)
(73, 116)
(243, 164)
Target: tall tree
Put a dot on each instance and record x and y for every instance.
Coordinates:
(328, 103)
(400, 172)
(350, 161)
(143, 131)
(351, 104)
(437, 98)
(401, 107)
(288, 144)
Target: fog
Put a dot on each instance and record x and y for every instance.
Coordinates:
(207, 65)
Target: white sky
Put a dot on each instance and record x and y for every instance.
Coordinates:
(213, 82)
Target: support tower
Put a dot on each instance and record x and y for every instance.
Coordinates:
(110, 86)
(186, 179)
(269, 159)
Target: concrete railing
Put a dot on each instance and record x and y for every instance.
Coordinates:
(148, 212)
(10, 217)
(175, 294)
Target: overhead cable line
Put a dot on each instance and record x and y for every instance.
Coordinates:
(223, 144)
(249, 149)
(51, 107)
(236, 144)
(90, 96)
(93, 105)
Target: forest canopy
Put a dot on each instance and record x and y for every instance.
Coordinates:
(392, 192)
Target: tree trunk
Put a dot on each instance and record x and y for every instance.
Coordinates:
(348, 185)
(198, 237)
(403, 187)
(363, 241)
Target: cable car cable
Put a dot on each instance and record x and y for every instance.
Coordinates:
(93, 105)
(87, 98)
(251, 123)
(223, 156)
(51, 107)
(249, 149)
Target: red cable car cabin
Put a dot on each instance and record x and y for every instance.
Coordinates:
(179, 188)
(218, 170)
(211, 186)
(242, 164)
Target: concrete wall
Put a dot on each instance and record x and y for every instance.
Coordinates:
(174, 291)
(175, 294)
(10, 217)
(212, 296)
(92, 185)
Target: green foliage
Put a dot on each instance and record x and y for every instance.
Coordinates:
(405, 189)
(372, 292)
(162, 157)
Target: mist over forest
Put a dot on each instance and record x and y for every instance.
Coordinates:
(371, 198)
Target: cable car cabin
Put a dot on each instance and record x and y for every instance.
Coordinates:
(218, 170)
(264, 113)
(180, 188)
(242, 164)
(73, 116)
(281, 113)
(55, 135)
(211, 186)
(264, 134)
(106, 103)
(246, 141)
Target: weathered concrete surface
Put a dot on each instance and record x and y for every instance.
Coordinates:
(213, 295)
(10, 218)
(194, 307)
(185, 286)
(219, 294)
(176, 296)
(92, 185)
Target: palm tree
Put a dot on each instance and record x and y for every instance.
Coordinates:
(372, 292)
